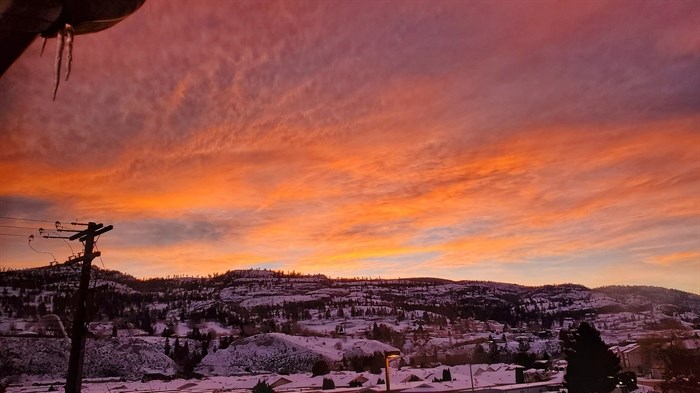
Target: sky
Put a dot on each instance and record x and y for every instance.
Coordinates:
(527, 142)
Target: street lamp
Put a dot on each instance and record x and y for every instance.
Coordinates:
(388, 355)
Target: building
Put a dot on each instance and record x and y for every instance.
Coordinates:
(534, 387)
(630, 356)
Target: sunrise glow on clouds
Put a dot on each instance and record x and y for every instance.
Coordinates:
(508, 141)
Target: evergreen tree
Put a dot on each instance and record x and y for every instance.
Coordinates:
(375, 331)
(168, 331)
(167, 346)
(525, 359)
(479, 355)
(494, 352)
(328, 384)
(592, 367)
(224, 342)
(320, 368)
(629, 380)
(376, 362)
(355, 384)
(263, 387)
(446, 375)
(682, 370)
(185, 350)
(205, 347)
(177, 349)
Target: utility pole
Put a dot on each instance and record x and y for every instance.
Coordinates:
(77, 348)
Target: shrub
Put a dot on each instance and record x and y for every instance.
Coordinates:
(355, 384)
(328, 384)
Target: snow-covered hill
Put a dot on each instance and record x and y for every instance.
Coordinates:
(262, 320)
(275, 352)
(129, 358)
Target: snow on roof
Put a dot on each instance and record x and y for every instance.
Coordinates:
(297, 382)
(557, 377)
(279, 381)
(344, 378)
(523, 385)
(625, 348)
(500, 376)
(303, 381)
(691, 343)
(423, 387)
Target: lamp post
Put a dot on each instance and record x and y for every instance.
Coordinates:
(388, 355)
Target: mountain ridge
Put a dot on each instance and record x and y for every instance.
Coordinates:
(415, 280)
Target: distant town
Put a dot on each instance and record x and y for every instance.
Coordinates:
(298, 332)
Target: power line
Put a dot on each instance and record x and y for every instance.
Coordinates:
(26, 219)
(97, 249)
(18, 227)
(29, 242)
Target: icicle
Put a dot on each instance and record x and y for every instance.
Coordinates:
(57, 66)
(64, 36)
(69, 40)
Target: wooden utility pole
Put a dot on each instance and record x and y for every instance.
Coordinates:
(77, 348)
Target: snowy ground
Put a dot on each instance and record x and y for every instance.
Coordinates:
(481, 375)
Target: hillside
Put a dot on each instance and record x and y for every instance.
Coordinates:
(270, 321)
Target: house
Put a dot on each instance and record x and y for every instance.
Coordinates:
(542, 364)
(280, 382)
(423, 387)
(53, 326)
(535, 387)
(560, 365)
(568, 323)
(691, 344)
(346, 380)
(631, 358)
(373, 389)
(298, 381)
(411, 378)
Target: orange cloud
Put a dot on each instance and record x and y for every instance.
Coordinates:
(688, 257)
(343, 139)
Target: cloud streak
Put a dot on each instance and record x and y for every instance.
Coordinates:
(467, 140)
